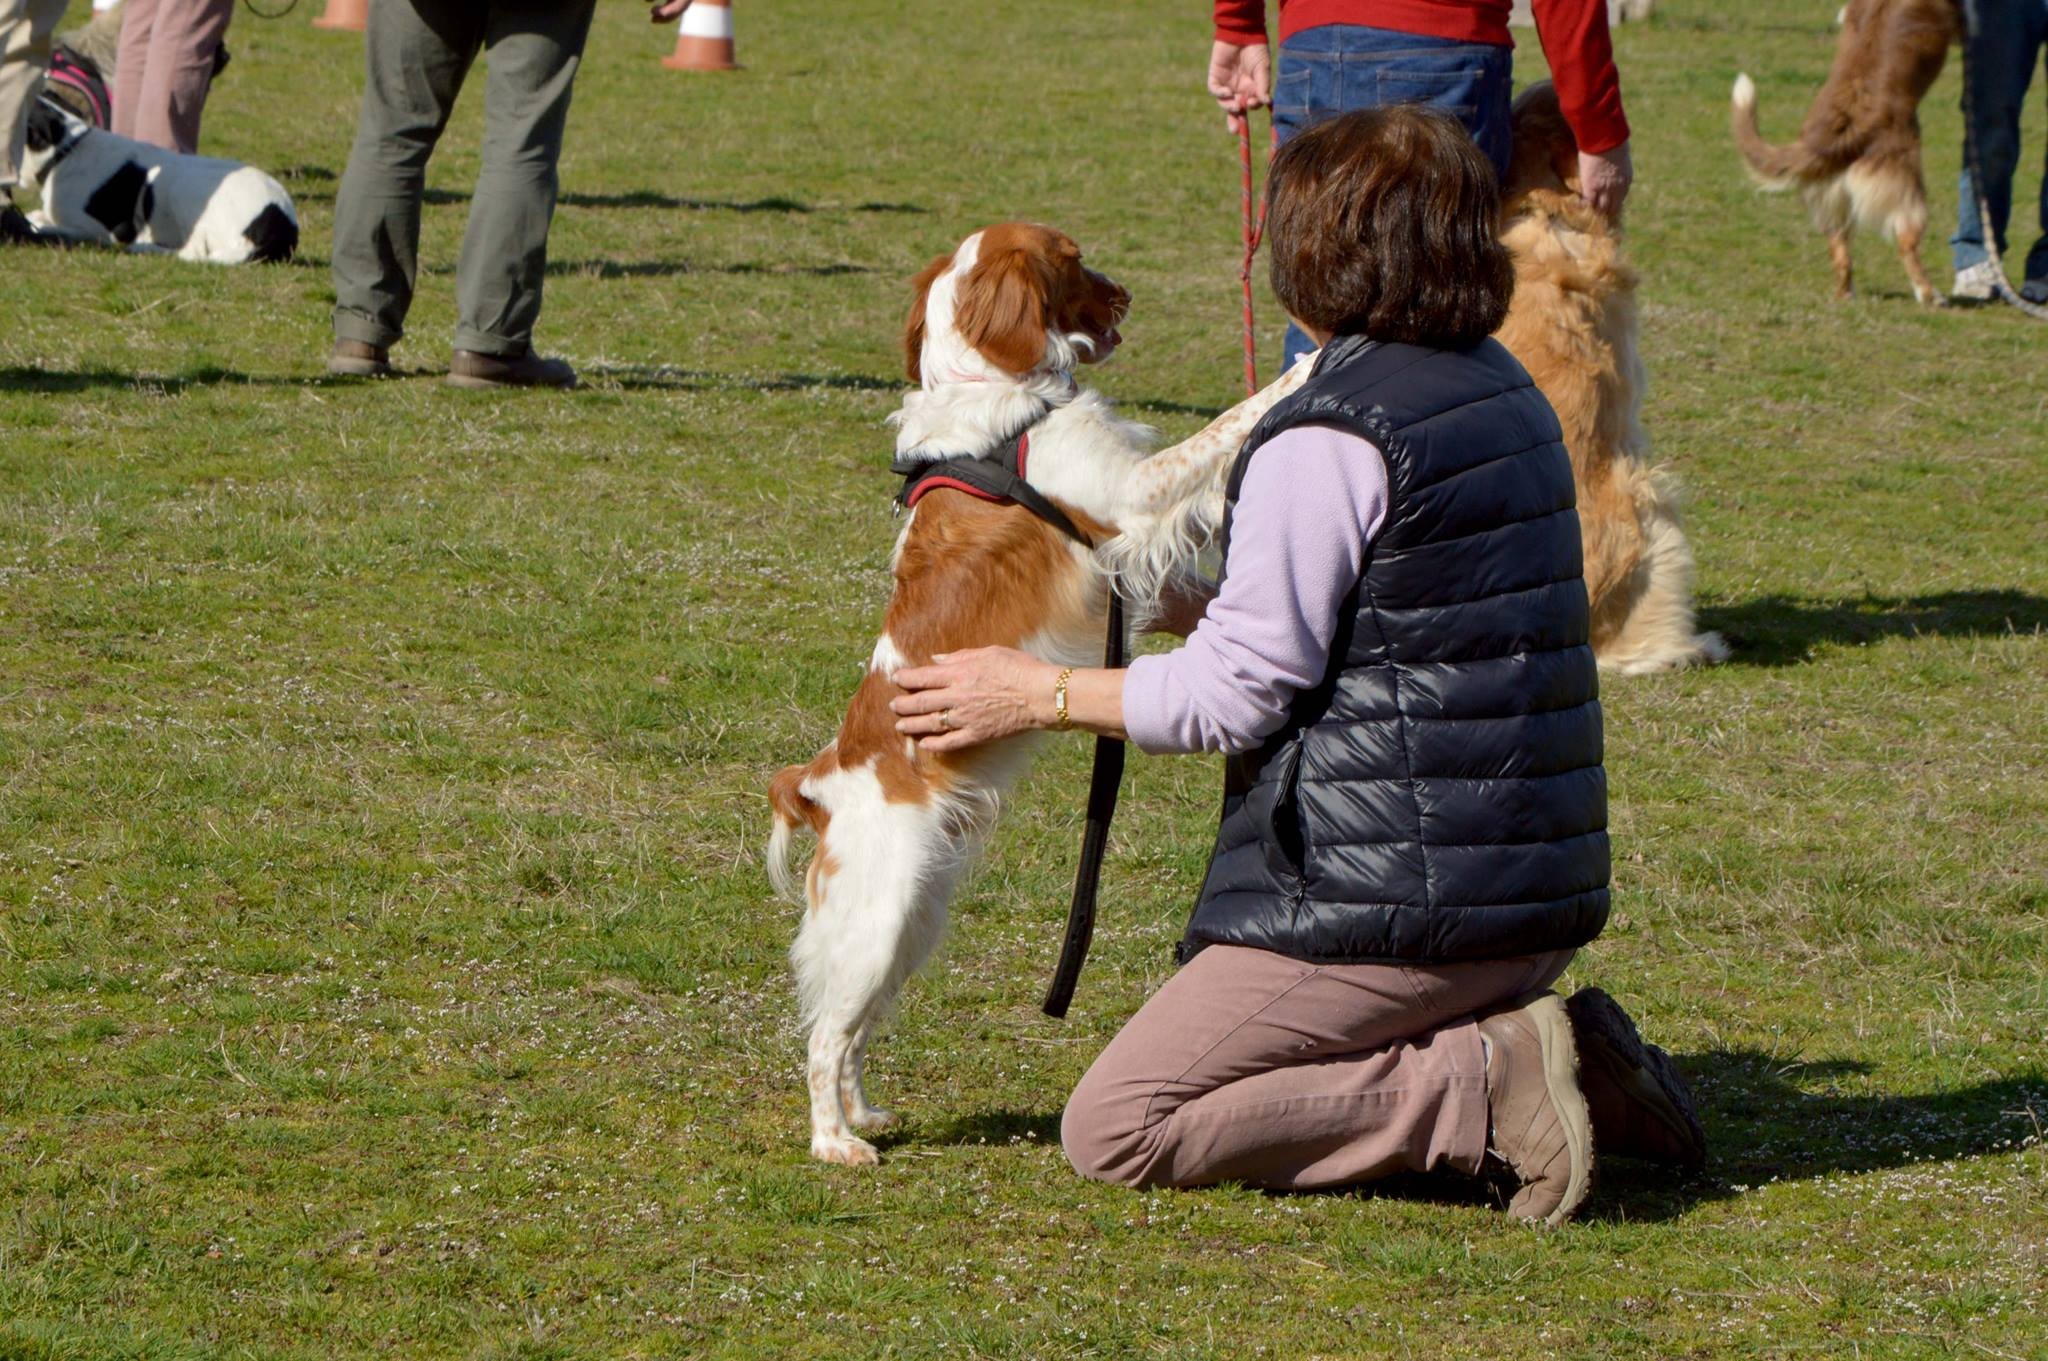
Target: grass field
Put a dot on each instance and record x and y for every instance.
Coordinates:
(385, 966)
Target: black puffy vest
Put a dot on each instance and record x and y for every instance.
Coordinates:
(1439, 796)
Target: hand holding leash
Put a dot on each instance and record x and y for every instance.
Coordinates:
(1604, 180)
(1241, 79)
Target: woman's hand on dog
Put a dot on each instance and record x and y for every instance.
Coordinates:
(966, 698)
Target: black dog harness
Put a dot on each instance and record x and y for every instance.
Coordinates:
(999, 477)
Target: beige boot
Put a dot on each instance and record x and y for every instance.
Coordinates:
(1541, 1127)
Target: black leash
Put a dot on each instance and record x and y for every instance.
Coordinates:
(1103, 782)
(999, 476)
(1970, 162)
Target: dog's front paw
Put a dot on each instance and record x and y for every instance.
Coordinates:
(846, 1152)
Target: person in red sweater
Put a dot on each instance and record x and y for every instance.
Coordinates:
(1340, 55)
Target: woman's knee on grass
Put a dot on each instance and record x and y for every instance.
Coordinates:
(1106, 1139)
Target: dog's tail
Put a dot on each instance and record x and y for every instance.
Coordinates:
(792, 809)
(273, 236)
(1774, 167)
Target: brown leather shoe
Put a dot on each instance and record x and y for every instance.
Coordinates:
(1541, 1127)
(469, 369)
(1640, 1103)
(357, 359)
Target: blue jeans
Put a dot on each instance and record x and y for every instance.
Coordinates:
(1341, 67)
(2009, 38)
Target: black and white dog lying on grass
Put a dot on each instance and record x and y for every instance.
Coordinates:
(112, 190)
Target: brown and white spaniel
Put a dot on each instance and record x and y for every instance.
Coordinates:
(996, 331)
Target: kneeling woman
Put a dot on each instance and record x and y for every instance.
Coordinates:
(1395, 661)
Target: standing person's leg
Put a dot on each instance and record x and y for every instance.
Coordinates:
(131, 65)
(1252, 1066)
(416, 53)
(534, 51)
(184, 43)
(2036, 273)
(25, 29)
(2001, 65)
(1337, 68)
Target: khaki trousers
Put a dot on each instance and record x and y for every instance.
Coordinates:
(25, 29)
(418, 53)
(1250, 1066)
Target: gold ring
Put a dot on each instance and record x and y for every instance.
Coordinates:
(946, 719)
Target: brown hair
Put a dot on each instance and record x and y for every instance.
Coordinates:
(1386, 223)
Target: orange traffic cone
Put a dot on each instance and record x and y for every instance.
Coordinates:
(703, 39)
(351, 15)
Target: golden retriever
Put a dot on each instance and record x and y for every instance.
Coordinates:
(1573, 325)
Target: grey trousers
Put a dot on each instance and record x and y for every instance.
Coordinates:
(418, 52)
(25, 29)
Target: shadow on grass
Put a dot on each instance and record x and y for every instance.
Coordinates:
(1779, 630)
(636, 198)
(58, 382)
(1765, 1122)
(1139, 406)
(646, 198)
(635, 377)
(990, 1127)
(643, 269)
(15, 378)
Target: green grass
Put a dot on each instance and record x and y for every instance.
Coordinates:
(384, 962)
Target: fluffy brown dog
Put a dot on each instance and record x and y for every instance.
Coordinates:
(1573, 326)
(1857, 157)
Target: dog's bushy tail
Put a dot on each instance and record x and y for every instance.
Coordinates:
(1774, 167)
(792, 809)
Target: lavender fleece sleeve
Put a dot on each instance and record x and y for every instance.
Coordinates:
(1312, 500)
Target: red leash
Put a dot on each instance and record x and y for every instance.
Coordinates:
(1254, 229)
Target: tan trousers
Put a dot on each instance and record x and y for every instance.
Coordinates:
(166, 68)
(25, 29)
(1250, 1066)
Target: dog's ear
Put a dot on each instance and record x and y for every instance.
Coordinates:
(1005, 304)
(45, 125)
(913, 325)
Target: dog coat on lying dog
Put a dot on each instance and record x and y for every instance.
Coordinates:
(995, 333)
(112, 190)
(1573, 325)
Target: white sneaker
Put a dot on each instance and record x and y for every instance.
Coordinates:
(1978, 283)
